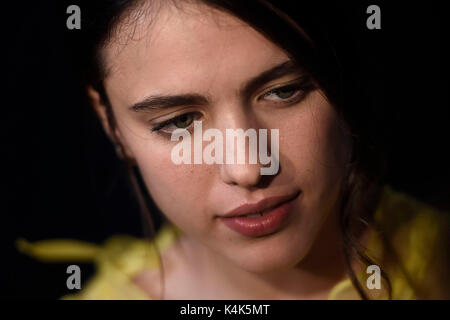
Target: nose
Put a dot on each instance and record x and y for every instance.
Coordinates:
(245, 173)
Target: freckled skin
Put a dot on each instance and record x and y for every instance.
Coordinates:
(192, 53)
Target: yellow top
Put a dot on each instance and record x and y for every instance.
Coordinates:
(418, 233)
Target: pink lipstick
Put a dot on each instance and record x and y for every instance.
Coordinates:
(262, 218)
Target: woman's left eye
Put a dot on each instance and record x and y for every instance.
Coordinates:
(283, 94)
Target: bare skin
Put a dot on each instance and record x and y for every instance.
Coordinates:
(187, 275)
(212, 54)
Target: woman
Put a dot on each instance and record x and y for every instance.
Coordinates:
(308, 230)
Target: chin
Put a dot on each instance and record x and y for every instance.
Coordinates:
(270, 257)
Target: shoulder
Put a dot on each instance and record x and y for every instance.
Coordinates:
(122, 260)
(400, 215)
(418, 236)
(116, 261)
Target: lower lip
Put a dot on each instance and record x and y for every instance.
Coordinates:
(269, 223)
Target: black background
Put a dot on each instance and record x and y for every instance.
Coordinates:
(62, 178)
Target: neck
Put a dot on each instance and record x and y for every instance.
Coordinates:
(312, 278)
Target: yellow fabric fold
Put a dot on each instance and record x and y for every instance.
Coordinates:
(58, 249)
(412, 226)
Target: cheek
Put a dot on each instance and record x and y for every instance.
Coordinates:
(178, 190)
(318, 149)
(316, 145)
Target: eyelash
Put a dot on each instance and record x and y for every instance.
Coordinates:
(158, 128)
(300, 88)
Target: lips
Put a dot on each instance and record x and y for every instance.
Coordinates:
(264, 217)
(260, 207)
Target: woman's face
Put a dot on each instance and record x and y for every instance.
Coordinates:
(212, 56)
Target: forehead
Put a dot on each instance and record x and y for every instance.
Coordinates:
(188, 49)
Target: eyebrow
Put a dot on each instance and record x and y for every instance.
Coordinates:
(278, 71)
(161, 102)
(168, 101)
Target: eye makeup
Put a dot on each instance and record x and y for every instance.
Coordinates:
(182, 121)
(282, 94)
(290, 93)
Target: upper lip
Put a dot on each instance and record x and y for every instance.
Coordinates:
(260, 206)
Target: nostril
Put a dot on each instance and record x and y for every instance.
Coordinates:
(244, 175)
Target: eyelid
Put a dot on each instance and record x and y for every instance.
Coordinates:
(299, 93)
(157, 127)
(300, 81)
(172, 115)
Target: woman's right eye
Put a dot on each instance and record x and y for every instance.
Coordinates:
(183, 121)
